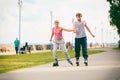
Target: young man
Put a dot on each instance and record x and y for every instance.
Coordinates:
(81, 38)
(59, 41)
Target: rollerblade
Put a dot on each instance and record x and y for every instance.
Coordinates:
(77, 62)
(70, 62)
(55, 63)
(86, 62)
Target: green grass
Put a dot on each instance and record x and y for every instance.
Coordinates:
(14, 62)
(117, 48)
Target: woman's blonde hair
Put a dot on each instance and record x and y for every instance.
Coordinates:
(56, 21)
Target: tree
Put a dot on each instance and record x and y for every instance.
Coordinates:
(115, 14)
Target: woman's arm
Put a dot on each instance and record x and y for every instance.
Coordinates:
(68, 30)
(52, 34)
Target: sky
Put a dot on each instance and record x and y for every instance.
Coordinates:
(36, 20)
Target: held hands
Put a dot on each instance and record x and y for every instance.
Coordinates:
(75, 30)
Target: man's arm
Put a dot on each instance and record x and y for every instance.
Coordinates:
(88, 29)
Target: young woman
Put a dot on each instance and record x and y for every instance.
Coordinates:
(59, 41)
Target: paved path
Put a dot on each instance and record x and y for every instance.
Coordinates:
(103, 66)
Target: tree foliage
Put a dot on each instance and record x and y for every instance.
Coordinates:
(115, 14)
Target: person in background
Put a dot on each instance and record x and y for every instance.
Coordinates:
(17, 44)
(26, 45)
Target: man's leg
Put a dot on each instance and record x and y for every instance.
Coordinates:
(16, 49)
(77, 50)
(84, 50)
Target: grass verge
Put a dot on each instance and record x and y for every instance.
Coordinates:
(116, 48)
(14, 62)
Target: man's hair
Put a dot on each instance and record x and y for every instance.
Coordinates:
(78, 14)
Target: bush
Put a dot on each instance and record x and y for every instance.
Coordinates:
(119, 43)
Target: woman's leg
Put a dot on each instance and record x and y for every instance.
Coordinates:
(63, 48)
(55, 45)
